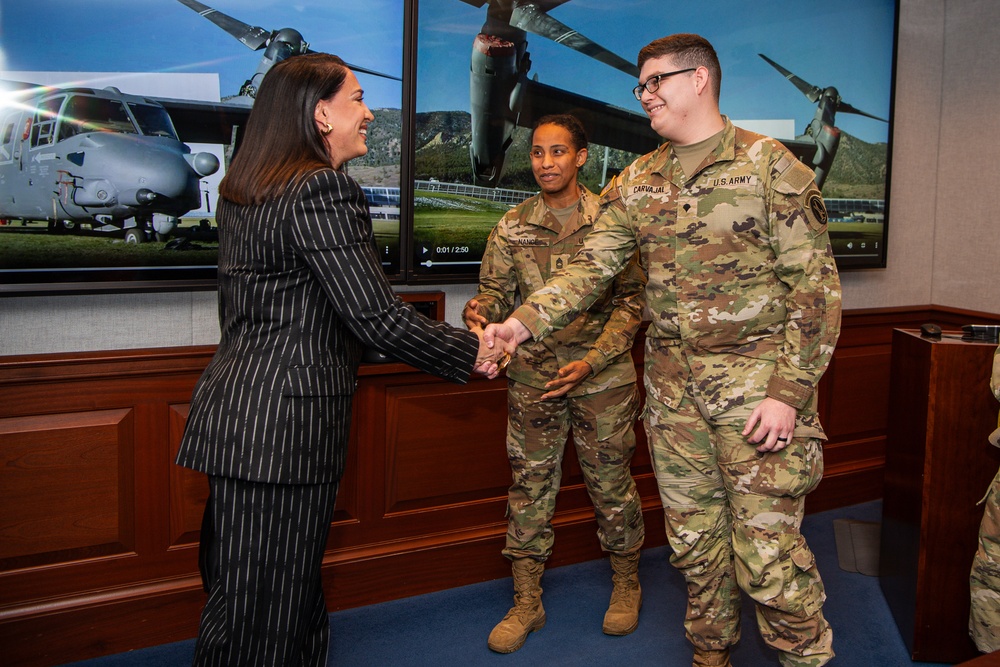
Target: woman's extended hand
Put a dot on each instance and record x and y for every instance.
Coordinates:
(491, 360)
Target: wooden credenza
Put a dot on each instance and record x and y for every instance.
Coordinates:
(938, 465)
(99, 530)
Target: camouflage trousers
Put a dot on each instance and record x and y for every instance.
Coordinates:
(984, 582)
(733, 519)
(537, 432)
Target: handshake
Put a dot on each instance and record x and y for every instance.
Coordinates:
(497, 342)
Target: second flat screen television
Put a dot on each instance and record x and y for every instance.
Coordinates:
(818, 78)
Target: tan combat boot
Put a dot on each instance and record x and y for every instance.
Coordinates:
(622, 616)
(527, 614)
(706, 658)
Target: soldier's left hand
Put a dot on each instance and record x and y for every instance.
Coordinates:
(472, 315)
(775, 422)
(570, 375)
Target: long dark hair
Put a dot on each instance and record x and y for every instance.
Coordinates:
(281, 140)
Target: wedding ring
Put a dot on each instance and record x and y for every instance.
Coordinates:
(782, 439)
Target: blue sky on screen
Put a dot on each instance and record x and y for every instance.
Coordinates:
(843, 43)
(166, 36)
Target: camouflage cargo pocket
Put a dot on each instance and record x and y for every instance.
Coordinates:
(666, 372)
(793, 472)
(619, 416)
(805, 334)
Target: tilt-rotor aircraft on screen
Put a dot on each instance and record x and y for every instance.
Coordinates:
(503, 97)
(818, 146)
(119, 162)
(72, 155)
(277, 45)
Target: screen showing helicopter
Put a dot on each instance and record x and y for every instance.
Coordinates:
(816, 76)
(108, 175)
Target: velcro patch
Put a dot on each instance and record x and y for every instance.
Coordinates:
(793, 177)
(612, 194)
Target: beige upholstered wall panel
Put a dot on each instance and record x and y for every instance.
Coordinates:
(967, 230)
(907, 280)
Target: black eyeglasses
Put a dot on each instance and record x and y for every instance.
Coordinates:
(653, 82)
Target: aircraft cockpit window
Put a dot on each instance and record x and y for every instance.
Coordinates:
(153, 121)
(45, 121)
(7, 139)
(94, 114)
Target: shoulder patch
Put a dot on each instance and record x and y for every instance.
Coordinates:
(611, 194)
(816, 211)
(793, 176)
(610, 190)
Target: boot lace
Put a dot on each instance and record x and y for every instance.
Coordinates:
(624, 586)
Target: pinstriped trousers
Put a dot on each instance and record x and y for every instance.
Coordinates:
(261, 551)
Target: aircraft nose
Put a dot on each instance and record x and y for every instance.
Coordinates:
(204, 164)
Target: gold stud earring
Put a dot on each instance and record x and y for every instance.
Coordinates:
(328, 130)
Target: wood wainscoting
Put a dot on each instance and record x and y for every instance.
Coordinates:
(99, 530)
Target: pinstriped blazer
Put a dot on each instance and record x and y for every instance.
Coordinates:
(301, 291)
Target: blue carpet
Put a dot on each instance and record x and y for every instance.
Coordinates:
(450, 627)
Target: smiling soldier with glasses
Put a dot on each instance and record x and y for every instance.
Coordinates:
(744, 300)
(653, 82)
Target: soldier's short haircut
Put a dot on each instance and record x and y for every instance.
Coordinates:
(568, 122)
(686, 50)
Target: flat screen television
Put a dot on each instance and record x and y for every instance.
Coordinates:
(85, 111)
(817, 76)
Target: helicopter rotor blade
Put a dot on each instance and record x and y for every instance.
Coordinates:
(529, 17)
(252, 36)
(356, 68)
(810, 91)
(844, 107)
(814, 93)
(256, 37)
(365, 70)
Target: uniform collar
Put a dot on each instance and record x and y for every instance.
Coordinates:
(540, 216)
(666, 164)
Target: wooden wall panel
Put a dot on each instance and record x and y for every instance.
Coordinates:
(860, 382)
(99, 530)
(188, 489)
(445, 444)
(65, 487)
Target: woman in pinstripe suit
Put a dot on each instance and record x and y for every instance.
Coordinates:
(301, 291)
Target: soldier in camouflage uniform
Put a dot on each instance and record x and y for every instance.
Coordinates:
(984, 619)
(745, 303)
(582, 378)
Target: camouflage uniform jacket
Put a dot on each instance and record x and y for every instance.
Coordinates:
(742, 284)
(524, 249)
